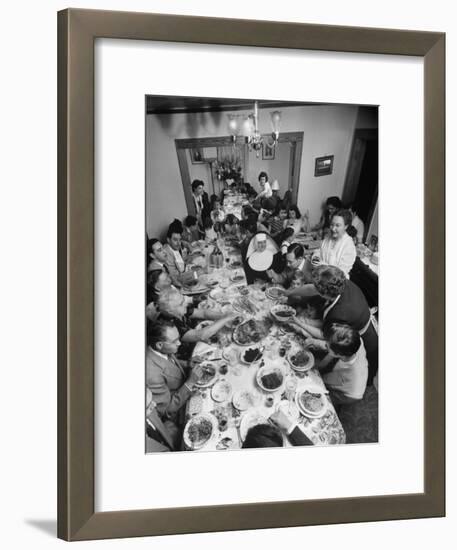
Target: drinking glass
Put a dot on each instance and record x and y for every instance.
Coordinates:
(291, 387)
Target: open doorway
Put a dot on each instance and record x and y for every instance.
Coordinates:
(361, 187)
(198, 157)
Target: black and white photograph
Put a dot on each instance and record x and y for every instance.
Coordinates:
(261, 279)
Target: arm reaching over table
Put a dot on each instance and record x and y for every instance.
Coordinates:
(204, 334)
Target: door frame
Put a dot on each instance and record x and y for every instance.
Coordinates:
(182, 144)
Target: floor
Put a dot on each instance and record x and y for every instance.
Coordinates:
(360, 419)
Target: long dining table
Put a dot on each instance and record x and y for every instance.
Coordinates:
(233, 399)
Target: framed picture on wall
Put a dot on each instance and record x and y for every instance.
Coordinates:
(197, 156)
(323, 166)
(99, 441)
(268, 151)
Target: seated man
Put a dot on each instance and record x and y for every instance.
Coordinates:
(175, 257)
(295, 261)
(158, 437)
(157, 255)
(157, 281)
(170, 381)
(174, 307)
(345, 368)
(264, 435)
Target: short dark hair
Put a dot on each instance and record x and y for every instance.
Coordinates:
(263, 435)
(156, 332)
(329, 280)
(351, 231)
(151, 243)
(189, 221)
(335, 202)
(249, 225)
(263, 175)
(294, 207)
(196, 184)
(345, 214)
(207, 222)
(341, 338)
(268, 204)
(288, 232)
(174, 227)
(297, 250)
(231, 219)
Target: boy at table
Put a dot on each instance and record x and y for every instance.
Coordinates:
(344, 369)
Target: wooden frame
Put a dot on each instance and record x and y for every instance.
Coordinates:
(77, 30)
(268, 151)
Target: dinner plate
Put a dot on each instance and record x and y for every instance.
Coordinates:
(237, 278)
(250, 419)
(307, 412)
(264, 371)
(210, 380)
(278, 308)
(198, 289)
(261, 261)
(221, 391)
(256, 358)
(205, 420)
(274, 292)
(302, 368)
(243, 400)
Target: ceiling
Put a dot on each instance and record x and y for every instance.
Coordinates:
(181, 104)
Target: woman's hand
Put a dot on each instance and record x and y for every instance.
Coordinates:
(316, 344)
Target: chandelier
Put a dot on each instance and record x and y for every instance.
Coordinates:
(248, 127)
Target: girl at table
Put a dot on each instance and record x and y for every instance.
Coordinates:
(217, 214)
(191, 233)
(332, 204)
(231, 225)
(293, 219)
(345, 303)
(338, 248)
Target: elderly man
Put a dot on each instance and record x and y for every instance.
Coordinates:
(158, 437)
(295, 261)
(173, 306)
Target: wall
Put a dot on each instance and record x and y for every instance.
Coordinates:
(277, 169)
(327, 130)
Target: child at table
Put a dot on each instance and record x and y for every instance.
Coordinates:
(345, 368)
(231, 225)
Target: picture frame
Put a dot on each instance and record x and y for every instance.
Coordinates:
(77, 31)
(197, 156)
(323, 166)
(268, 151)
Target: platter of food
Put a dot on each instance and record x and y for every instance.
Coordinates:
(311, 404)
(283, 312)
(251, 355)
(221, 391)
(270, 379)
(274, 292)
(249, 420)
(236, 264)
(208, 377)
(225, 443)
(199, 430)
(194, 287)
(237, 278)
(251, 332)
(243, 304)
(301, 360)
(243, 400)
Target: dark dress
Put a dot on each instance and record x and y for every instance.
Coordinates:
(352, 309)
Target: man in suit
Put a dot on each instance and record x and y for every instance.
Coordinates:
(158, 438)
(201, 201)
(169, 379)
(175, 257)
(295, 261)
(157, 256)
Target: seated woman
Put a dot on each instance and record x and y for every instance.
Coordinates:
(332, 204)
(260, 256)
(345, 303)
(338, 248)
(173, 306)
(191, 233)
(208, 228)
(265, 187)
(217, 214)
(286, 239)
(265, 435)
(357, 223)
(345, 368)
(231, 225)
(294, 219)
(276, 223)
